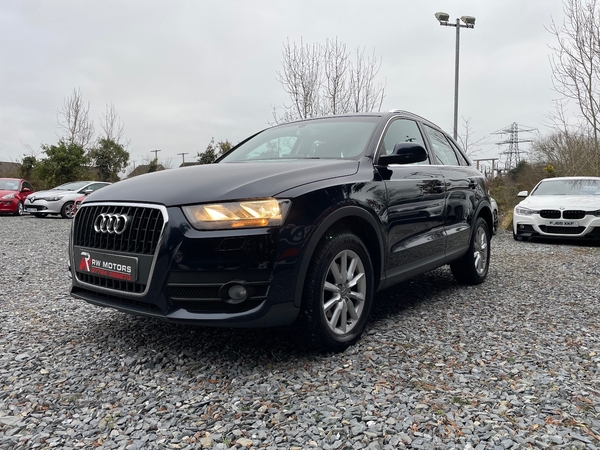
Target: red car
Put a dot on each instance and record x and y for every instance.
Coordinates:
(77, 203)
(13, 192)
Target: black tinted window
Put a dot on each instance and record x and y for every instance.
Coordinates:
(401, 130)
(339, 137)
(444, 153)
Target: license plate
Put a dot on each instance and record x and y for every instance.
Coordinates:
(106, 265)
(31, 209)
(562, 223)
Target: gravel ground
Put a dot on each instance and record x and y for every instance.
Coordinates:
(512, 363)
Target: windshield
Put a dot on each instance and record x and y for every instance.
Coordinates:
(329, 138)
(71, 186)
(9, 185)
(568, 187)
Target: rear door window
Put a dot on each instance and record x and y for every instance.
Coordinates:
(444, 154)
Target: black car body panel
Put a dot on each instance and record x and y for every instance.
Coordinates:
(412, 218)
(243, 180)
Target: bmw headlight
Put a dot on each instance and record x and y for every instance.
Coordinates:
(524, 211)
(269, 212)
(8, 196)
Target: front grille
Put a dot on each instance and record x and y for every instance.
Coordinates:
(109, 283)
(193, 292)
(562, 230)
(550, 214)
(141, 236)
(573, 214)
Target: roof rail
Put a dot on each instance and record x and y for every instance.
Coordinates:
(408, 113)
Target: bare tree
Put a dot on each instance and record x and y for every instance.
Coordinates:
(301, 79)
(74, 119)
(576, 62)
(366, 95)
(567, 153)
(322, 80)
(113, 127)
(336, 96)
(465, 139)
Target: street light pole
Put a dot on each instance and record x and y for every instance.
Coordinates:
(457, 59)
(469, 22)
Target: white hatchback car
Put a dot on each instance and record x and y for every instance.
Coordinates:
(60, 200)
(566, 207)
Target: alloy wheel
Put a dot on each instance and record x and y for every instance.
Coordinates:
(480, 251)
(344, 292)
(69, 211)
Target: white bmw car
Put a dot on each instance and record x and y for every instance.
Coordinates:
(567, 207)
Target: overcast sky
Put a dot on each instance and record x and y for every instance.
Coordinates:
(182, 72)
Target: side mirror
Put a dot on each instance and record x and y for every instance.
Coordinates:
(522, 194)
(25, 190)
(88, 191)
(404, 153)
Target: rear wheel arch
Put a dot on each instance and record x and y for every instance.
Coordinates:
(350, 219)
(485, 211)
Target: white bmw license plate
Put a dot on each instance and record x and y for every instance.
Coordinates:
(562, 223)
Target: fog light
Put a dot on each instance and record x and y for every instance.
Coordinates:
(237, 293)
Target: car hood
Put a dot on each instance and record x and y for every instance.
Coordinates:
(584, 202)
(50, 193)
(222, 181)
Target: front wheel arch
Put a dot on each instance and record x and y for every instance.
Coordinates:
(338, 293)
(348, 218)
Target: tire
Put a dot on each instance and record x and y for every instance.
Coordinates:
(39, 214)
(336, 302)
(20, 209)
(68, 210)
(472, 268)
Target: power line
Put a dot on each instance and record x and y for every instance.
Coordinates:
(513, 154)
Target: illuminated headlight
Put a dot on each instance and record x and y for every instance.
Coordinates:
(524, 211)
(54, 198)
(245, 214)
(8, 196)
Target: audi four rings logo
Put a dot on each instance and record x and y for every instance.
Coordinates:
(111, 223)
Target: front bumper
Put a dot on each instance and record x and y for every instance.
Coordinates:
(43, 206)
(188, 276)
(587, 227)
(8, 206)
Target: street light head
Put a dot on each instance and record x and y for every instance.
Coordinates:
(469, 20)
(442, 16)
